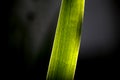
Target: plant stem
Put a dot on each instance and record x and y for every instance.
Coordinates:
(67, 40)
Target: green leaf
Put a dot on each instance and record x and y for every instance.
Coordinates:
(67, 40)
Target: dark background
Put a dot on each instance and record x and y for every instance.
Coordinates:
(31, 27)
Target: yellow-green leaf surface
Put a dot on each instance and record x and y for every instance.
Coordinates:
(67, 40)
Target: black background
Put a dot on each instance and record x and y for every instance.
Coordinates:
(99, 51)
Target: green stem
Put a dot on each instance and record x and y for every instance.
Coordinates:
(67, 40)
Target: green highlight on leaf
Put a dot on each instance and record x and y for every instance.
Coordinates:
(67, 40)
